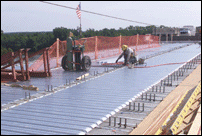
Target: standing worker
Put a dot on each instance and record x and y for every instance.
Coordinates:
(129, 55)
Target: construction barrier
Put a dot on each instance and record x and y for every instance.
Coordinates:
(98, 47)
(175, 119)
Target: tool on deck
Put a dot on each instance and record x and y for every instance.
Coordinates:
(133, 62)
(72, 61)
(141, 61)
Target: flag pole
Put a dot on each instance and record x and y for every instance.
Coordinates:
(80, 20)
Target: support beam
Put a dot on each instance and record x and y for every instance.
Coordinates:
(166, 38)
(171, 38)
(13, 67)
(27, 64)
(21, 64)
(159, 38)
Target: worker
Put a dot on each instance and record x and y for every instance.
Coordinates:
(129, 55)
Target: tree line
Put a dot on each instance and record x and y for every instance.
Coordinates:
(39, 40)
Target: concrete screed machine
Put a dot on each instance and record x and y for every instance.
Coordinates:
(72, 61)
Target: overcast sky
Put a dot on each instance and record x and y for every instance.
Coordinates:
(35, 16)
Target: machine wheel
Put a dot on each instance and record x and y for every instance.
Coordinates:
(64, 63)
(86, 63)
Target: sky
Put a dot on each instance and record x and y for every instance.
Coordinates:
(36, 16)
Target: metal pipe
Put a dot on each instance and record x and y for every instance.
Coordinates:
(48, 88)
(29, 96)
(146, 96)
(171, 81)
(179, 71)
(125, 123)
(138, 107)
(142, 106)
(120, 123)
(168, 80)
(154, 97)
(163, 89)
(114, 121)
(134, 106)
(109, 121)
(129, 105)
(150, 97)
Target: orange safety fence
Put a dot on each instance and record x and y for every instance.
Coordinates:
(97, 47)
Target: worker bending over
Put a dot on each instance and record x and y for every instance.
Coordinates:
(129, 55)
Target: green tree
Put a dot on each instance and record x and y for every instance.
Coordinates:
(61, 33)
